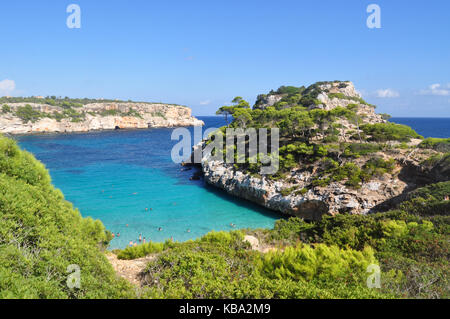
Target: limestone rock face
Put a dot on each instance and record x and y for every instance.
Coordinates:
(315, 202)
(265, 101)
(95, 117)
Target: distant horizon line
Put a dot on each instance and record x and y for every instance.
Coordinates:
(402, 117)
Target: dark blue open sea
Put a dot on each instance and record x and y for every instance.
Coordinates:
(115, 175)
(427, 127)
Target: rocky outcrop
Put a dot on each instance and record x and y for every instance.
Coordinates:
(97, 116)
(296, 194)
(263, 100)
(310, 202)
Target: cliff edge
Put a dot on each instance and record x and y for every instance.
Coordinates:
(336, 154)
(28, 117)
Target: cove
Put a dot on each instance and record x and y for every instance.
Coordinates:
(127, 177)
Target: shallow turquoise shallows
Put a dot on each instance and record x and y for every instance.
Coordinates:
(128, 180)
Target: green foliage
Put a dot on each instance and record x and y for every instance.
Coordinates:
(429, 200)
(385, 116)
(288, 191)
(56, 101)
(438, 144)
(345, 97)
(223, 266)
(141, 250)
(6, 108)
(134, 113)
(41, 235)
(111, 112)
(73, 115)
(321, 262)
(27, 114)
(359, 149)
(382, 132)
(352, 173)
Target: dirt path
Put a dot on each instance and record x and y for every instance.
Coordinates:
(129, 269)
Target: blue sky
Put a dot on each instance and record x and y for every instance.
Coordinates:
(203, 53)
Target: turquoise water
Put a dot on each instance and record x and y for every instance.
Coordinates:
(115, 175)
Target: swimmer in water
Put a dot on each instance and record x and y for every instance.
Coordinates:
(143, 241)
(159, 228)
(188, 230)
(140, 237)
(118, 234)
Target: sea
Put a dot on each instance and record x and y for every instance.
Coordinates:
(128, 180)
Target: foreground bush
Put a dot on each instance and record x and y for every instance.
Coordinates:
(41, 235)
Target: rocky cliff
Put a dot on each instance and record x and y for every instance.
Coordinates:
(27, 118)
(358, 170)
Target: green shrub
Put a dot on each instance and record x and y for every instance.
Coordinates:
(6, 108)
(27, 114)
(141, 250)
(41, 235)
(429, 200)
(382, 132)
(322, 262)
(438, 144)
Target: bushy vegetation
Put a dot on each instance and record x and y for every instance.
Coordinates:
(6, 108)
(41, 235)
(143, 250)
(382, 132)
(429, 201)
(437, 144)
(323, 259)
(28, 114)
(221, 265)
(65, 102)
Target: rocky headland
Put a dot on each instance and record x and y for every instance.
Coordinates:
(29, 118)
(336, 155)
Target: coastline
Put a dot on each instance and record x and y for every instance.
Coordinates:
(33, 118)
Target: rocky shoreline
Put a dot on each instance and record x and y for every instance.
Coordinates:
(297, 195)
(94, 116)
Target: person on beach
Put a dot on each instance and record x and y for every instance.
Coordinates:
(143, 241)
(131, 243)
(140, 237)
